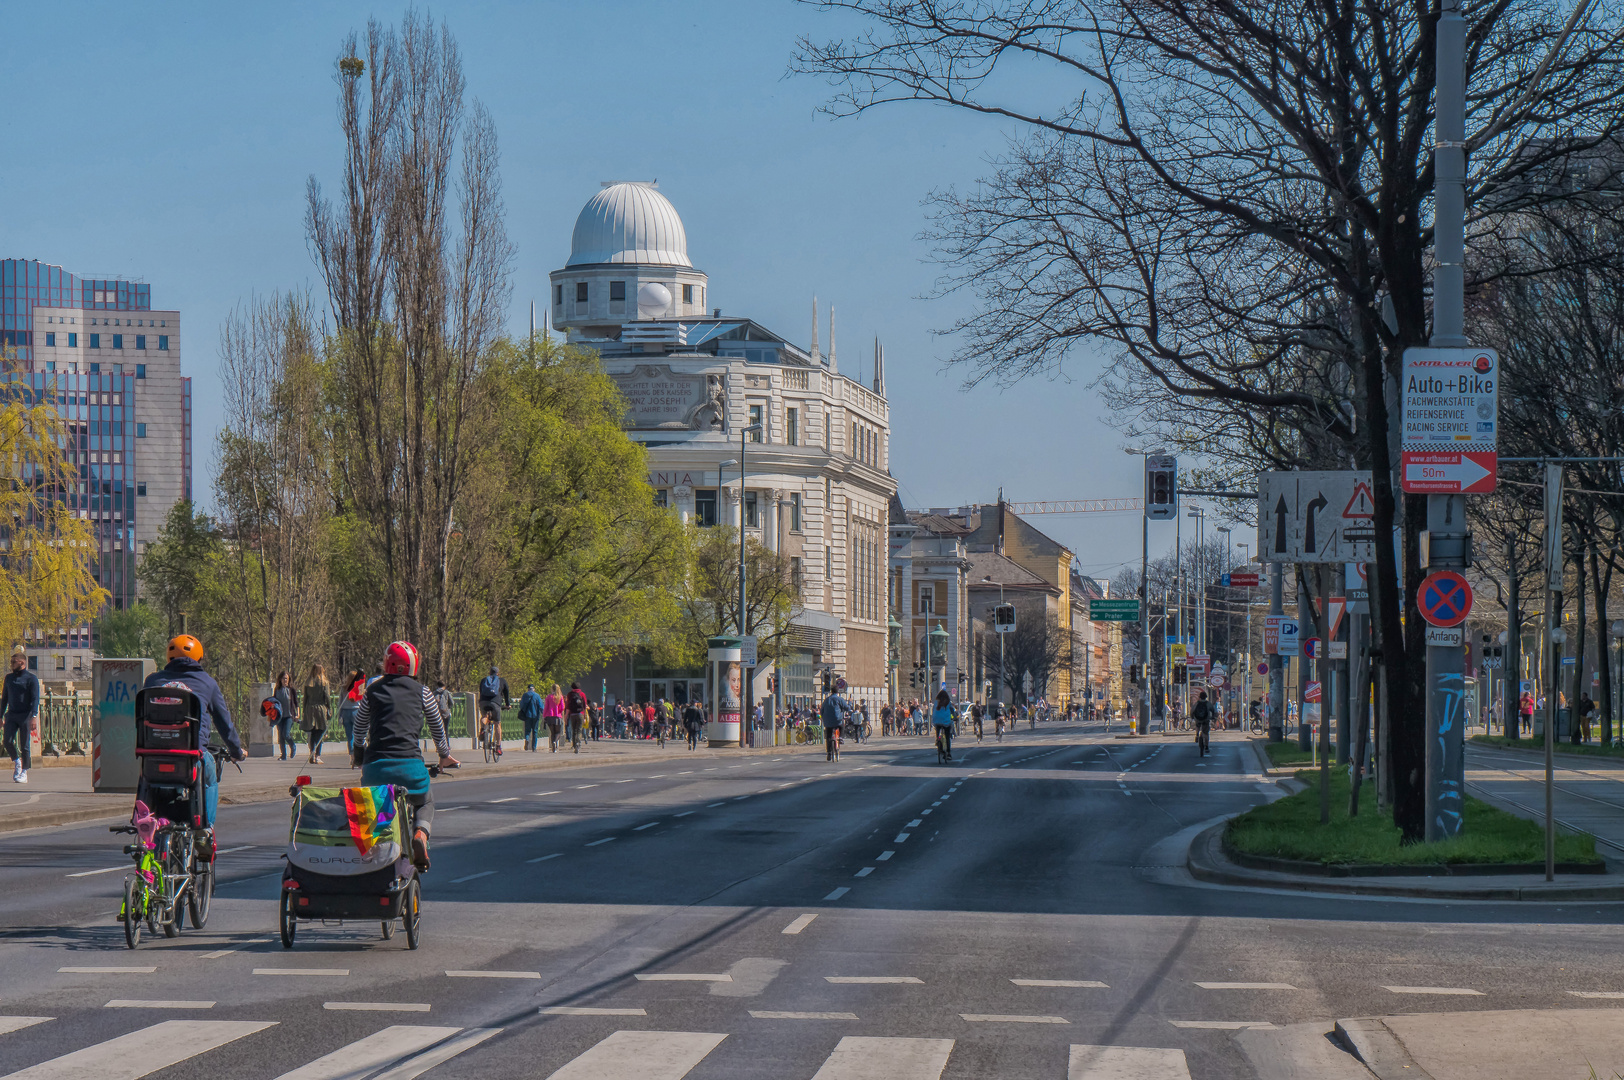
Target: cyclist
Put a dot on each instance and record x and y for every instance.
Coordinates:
(976, 713)
(491, 689)
(388, 725)
(693, 719)
(834, 713)
(185, 671)
(575, 708)
(998, 720)
(941, 719)
(1202, 715)
(1255, 712)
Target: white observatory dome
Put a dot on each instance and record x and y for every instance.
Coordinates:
(629, 222)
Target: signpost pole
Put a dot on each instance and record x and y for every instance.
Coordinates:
(1277, 678)
(1305, 619)
(1144, 624)
(1446, 682)
(1551, 646)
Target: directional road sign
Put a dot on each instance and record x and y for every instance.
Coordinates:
(1316, 517)
(1113, 610)
(1239, 579)
(1451, 421)
(1289, 637)
(1445, 598)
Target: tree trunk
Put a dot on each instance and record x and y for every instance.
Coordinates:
(1576, 730)
(1603, 582)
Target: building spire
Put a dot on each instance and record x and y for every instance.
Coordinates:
(833, 370)
(879, 367)
(816, 357)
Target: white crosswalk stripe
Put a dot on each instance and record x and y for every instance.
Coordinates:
(1126, 1063)
(128, 1057)
(9, 1024)
(862, 1057)
(365, 1056)
(642, 1055)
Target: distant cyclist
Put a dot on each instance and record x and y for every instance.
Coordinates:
(834, 713)
(492, 690)
(941, 718)
(185, 670)
(1202, 715)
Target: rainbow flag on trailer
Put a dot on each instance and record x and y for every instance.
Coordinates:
(371, 813)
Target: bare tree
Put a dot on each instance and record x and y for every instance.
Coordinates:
(1224, 195)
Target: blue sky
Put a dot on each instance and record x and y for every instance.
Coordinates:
(172, 143)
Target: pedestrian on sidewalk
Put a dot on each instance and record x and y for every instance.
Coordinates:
(1581, 731)
(318, 699)
(575, 711)
(21, 699)
(552, 715)
(287, 701)
(354, 687)
(530, 709)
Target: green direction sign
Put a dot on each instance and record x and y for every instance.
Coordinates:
(1113, 610)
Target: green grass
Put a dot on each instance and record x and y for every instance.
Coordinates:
(1290, 829)
(1593, 749)
(1287, 753)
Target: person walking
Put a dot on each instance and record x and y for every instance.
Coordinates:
(287, 702)
(552, 715)
(575, 710)
(693, 719)
(355, 686)
(21, 701)
(530, 709)
(318, 700)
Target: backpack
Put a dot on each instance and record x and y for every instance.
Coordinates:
(490, 686)
(576, 702)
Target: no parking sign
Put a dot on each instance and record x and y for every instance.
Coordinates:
(1445, 598)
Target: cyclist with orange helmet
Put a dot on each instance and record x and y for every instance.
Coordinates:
(388, 725)
(185, 670)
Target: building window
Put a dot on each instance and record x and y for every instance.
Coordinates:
(795, 511)
(617, 291)
(755, 418)
(927, 598)
(95, 341)
(141, 488)
(50, 340)
(140, 431)
(687, 294)
(828, 564)
(118, 341)
(752, 515)
(61, 662)
(662, 497)
(796, 576)
(580, 292)
(705, 507)
(792, 426)
(73, 341)
(853, 447)
(558, 295)
(163, 342)
(141, 342)
(141, 370)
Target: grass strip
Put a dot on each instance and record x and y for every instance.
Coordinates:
(1290, 828)
(1287, 753)
(1538, 746)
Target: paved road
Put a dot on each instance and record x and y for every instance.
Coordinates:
(1012, 915)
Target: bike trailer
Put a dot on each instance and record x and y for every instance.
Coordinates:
(346, 858)
(168, 722)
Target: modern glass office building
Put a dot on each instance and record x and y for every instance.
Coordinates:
(97, 351)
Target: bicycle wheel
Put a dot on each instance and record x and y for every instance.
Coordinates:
(202, 893)
(411, 914)
(289, 921)
(132, 912)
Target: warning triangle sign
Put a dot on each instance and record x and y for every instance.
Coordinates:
(1362, 504)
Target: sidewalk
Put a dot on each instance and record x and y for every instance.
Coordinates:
(61, 795)
(1510, 1044)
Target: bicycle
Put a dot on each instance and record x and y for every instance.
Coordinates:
(1203, 735)
(999, 730)
(490, 734)
(834, 745)
(941, 746)
(168, 871)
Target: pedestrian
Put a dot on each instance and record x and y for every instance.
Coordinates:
(575, 715)
(1525, 710)
(21, 699)
(530, 708)
(287, 702)
(552, 715)
(356, 685)
(1582, 729)
(318, 700)
(692, 720)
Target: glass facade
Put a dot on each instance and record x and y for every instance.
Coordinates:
(27, 283)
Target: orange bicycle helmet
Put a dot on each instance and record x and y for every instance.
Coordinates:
(188, 646)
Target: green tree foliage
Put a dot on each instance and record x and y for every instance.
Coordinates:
(176, 572)
(136, 631)
(710, 597)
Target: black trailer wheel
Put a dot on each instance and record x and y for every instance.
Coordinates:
(290, 922)
(411, 914)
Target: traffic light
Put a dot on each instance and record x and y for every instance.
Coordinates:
(1161, 487)
(1003, 619)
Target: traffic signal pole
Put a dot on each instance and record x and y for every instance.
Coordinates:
(1144, 623)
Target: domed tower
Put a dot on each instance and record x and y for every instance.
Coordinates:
(628, 263)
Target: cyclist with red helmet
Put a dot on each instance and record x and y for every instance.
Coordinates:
(388, 725)
(185, 670)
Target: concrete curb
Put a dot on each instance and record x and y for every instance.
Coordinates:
(1206, 862)
(1369, 1040)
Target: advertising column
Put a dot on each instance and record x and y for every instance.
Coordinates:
(112, 723)
(726, 657)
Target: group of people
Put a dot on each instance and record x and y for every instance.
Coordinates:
(573, 716)
(310, 709)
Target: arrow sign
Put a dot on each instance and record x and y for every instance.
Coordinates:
(1315, 505)
(1449, 471)
(1280, 526)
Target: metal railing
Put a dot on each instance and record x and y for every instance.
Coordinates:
(64, 724)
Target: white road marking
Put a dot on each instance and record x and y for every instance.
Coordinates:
(583, 787)
(1245, 986)
(633, 780)
(996, 1018)
(605, 840)
(925, 811)
(1461, 990)
(451, 809)
(234, 850)
(494, 974)
(838, 893)
(685, 813)
(544, 858)
(883, 856)
(915, 823)
(799, 923)
(374, 1006)
(902, 838)
(858, 1057)
(1070, 984)
(650, 825)
(472, 877)
(802, 1015)
(1126, 1063)
(107, 970)
(870, 979)
(583, 1010)
(657, 776)
(418, 1064)
(510, 798)
(137, 1003)
(128, 1057)
(642, 1055)
(337, 972)
(103, 870)
(8, 1024)
(864, 872)
(682, 976)
(714, 805)
(1607, 994)
(539, 794)
(364, 1056)
(1223, 1025)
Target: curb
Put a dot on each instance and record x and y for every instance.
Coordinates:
(1373, 1043)
(1206, 862)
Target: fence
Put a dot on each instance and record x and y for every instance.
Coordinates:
(64, 724)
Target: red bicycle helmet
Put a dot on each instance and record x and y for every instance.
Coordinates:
(401, 658)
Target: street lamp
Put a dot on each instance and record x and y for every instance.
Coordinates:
(1000, 584)
(1144, 591)
(893, 631)
(937, 654)
(1200, 516)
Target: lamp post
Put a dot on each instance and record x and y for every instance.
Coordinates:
(1000, 584)
(936, 654)
(1200, 516)
(1144, 591)
(1246, 559)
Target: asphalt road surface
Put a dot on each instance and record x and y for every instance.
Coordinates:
(1017, 914)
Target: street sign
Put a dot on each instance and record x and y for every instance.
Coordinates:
(1216, 680)
(1311, 648)
(1337, 650)
(1263, 667)
(1311, 692)
(1445, 598)
(747, 650)
(1316, 517)
(1290, 635)
(1026, 682)
(1161, 487)
(1271, 633)
(1356, 585)
(1179, 652)
(1113, 610)
(1197, 664)
(1239, 579)
(1569, 660)
(1449, 636)
(1335, 608)
(1450, 439)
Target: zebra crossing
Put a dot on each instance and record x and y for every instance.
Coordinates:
(408, 1051)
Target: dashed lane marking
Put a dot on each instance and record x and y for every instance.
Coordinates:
(107, 970)
(650, 825)
(582, 1010)
(1603, 994)
(1245, 986)
(510, 798)
(681, 976)
(374, 1006)
(1223, 1025)
(337, 973)
(1457, 990)
(838, 893)
(915, 823)
(605, 840)
(883, 856)
(103, 870)
(544, 858)
(864, 980)
(494, 974)
(764, 1015)
(472, 877)
(999, 1018)
(902, 838)
(864, 872)
(138, 1003)
(799, 923)
(1070, 984)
